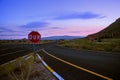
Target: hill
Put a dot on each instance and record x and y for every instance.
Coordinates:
(61, 37)
(112, 31)
(110, 41)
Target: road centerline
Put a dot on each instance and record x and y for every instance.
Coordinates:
(78, 67)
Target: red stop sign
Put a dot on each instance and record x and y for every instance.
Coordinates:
(34, 37)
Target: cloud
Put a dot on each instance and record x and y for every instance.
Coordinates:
(6, 33)
(22, 30)
(75, 31)
(55, 28)
(12, 35)
(5, 30)
(35, 25)
(83, 15)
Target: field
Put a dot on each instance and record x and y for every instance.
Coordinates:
(22, 41)
(109, 45)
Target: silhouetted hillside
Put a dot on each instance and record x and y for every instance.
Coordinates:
(112, 31)
(61, 37)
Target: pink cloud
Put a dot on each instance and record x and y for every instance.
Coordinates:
(73, 31)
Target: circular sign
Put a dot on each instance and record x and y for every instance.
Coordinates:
(34, 36)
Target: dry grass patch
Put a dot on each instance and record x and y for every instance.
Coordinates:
(111, 45)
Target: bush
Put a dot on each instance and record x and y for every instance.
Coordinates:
(105, 45)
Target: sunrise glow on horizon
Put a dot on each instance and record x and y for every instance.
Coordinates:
(56, 17)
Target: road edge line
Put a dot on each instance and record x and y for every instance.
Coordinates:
(49, 68)
(26, 57)
(86, 70)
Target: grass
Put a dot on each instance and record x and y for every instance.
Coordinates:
(110, 45)
(46, 41)
(17, 70)
(22, 41)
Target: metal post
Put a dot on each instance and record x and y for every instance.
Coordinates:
(34, 52)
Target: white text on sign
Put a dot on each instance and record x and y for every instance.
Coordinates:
(34, 37)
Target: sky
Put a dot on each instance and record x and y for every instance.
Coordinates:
(55, 17)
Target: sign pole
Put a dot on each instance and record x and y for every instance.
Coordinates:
(34, 52)
(34, 37)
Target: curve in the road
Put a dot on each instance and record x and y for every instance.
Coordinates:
(50, 69)
(78, 67)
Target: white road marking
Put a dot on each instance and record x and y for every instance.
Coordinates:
(27, 57)
(50, 69)
(16, 58)
(12, 61)
(78, 67)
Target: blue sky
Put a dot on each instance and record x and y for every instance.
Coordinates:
(55, 17)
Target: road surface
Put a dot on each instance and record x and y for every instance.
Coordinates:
(73, 64)
(9, 52)
(102, 63)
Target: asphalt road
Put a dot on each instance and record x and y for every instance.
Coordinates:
(106, 64)
(9, 52)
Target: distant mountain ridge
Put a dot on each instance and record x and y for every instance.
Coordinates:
(112, 31)
(61, 37)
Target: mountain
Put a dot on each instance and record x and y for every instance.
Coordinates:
(61, 37)
(112, 31)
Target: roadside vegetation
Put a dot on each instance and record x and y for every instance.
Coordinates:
(16, 70)
(109, 45)
(24, 68)
(22, 41)
(46, 41)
